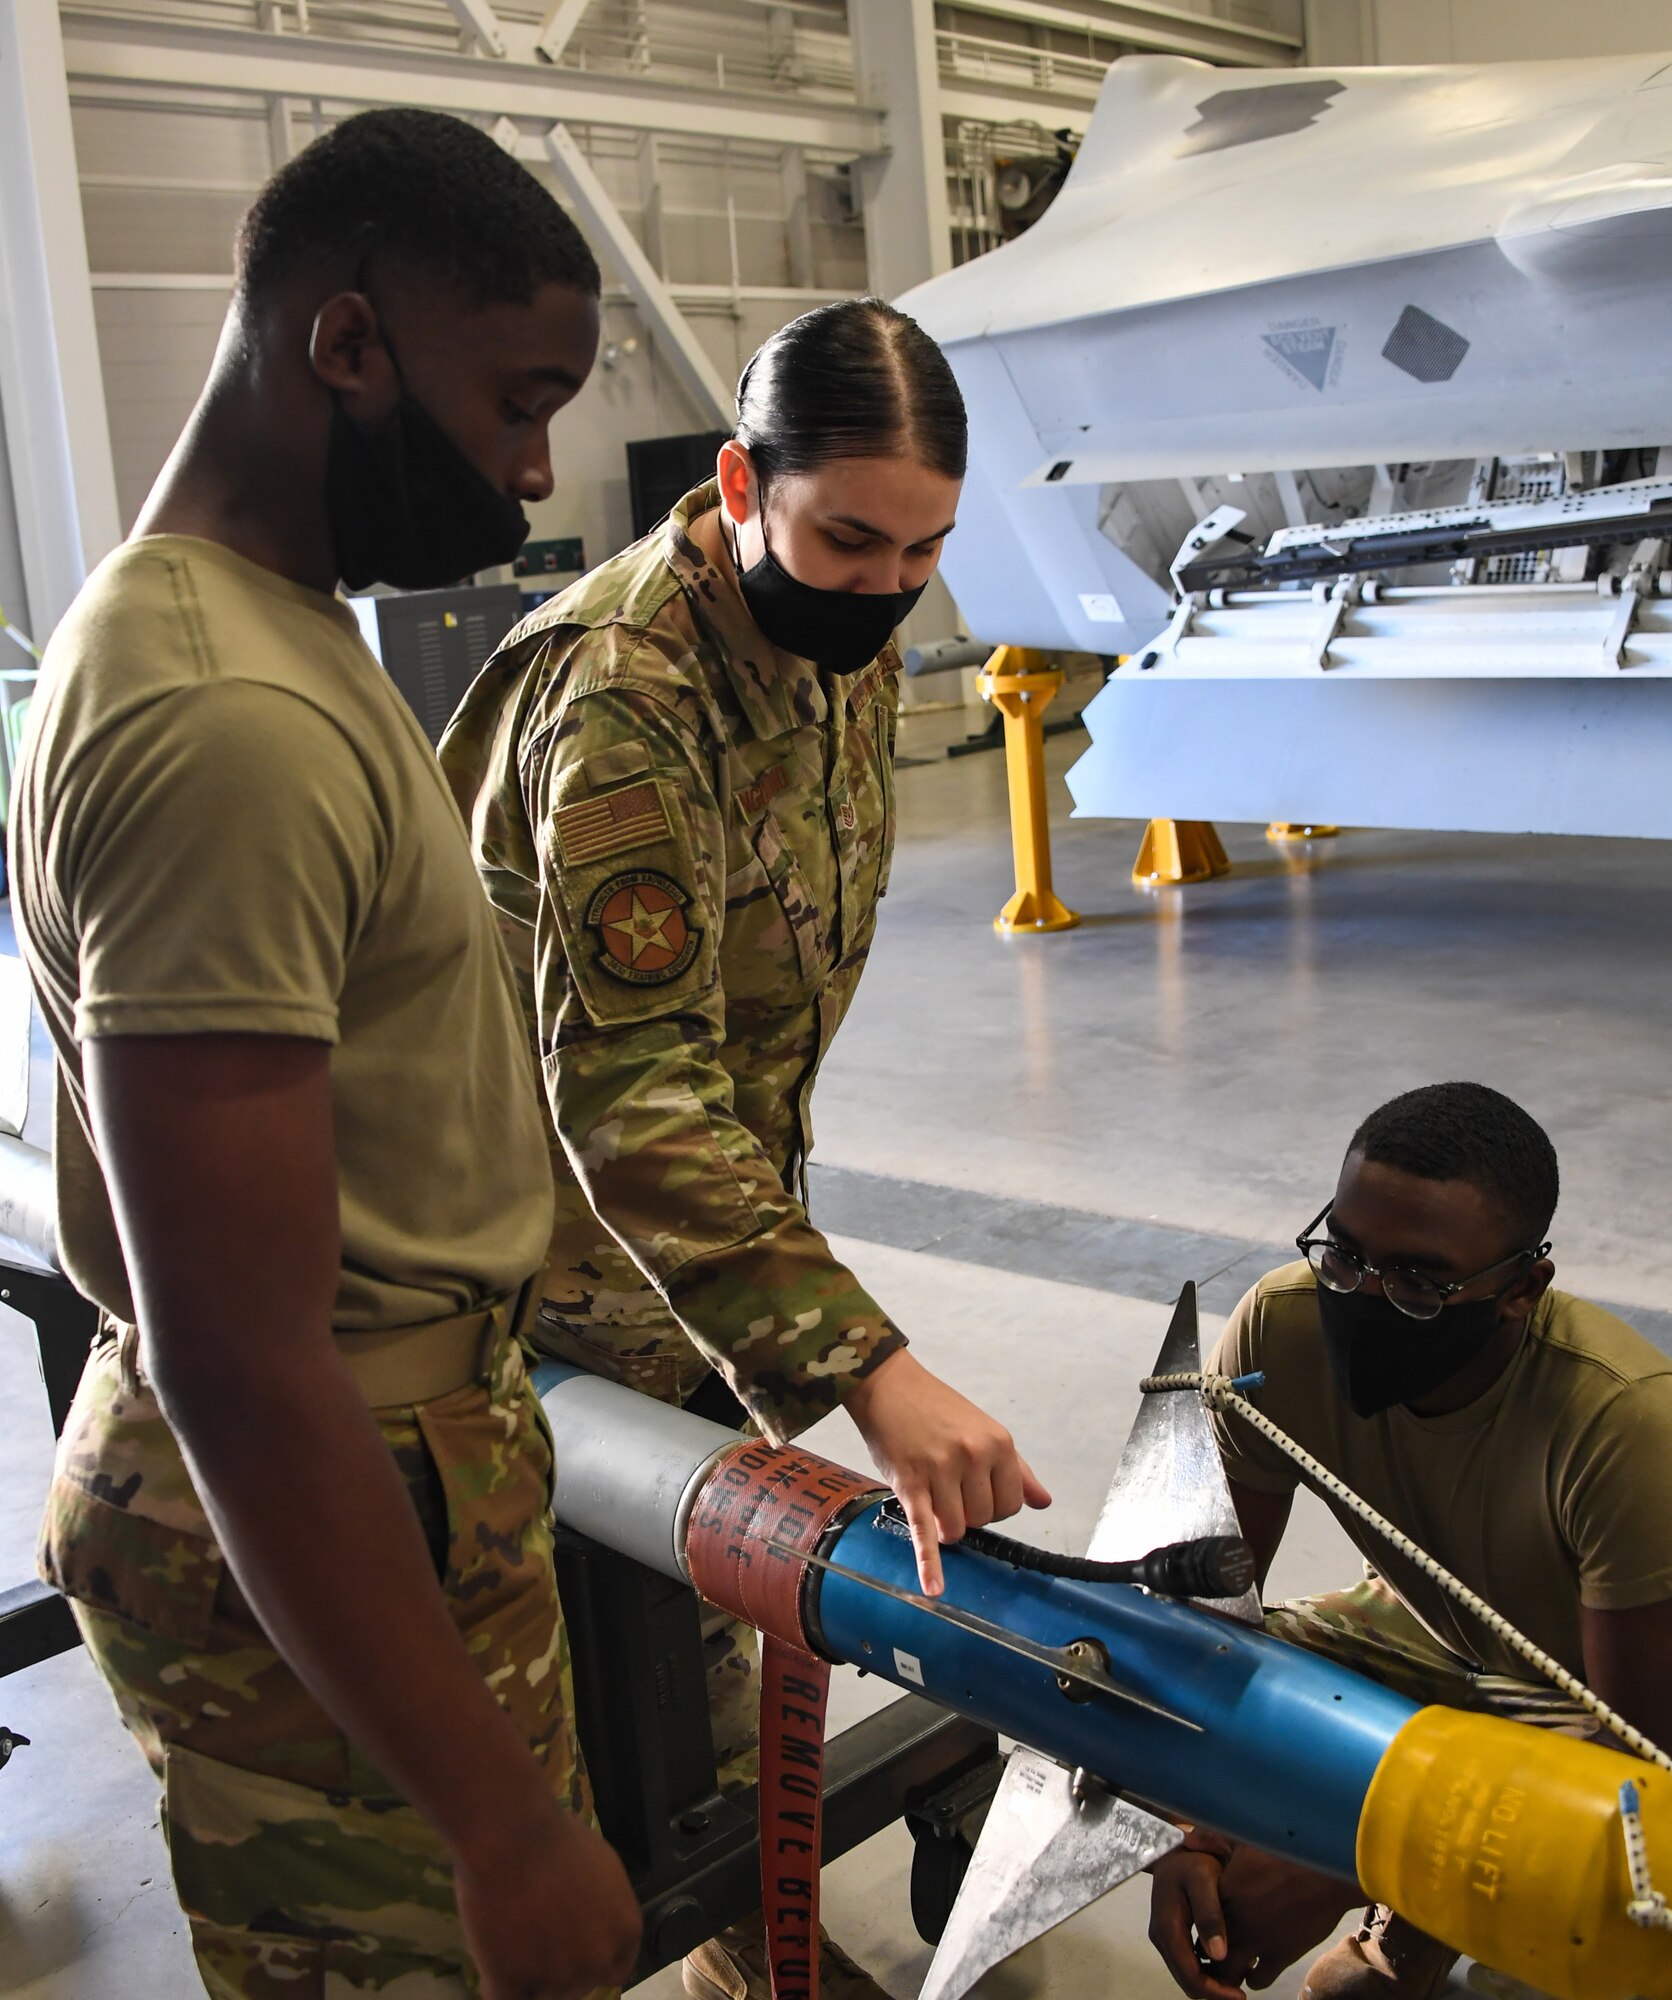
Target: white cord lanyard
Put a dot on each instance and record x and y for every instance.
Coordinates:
(1224, 1392)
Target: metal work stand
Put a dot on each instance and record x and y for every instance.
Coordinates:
(35, 1622)
(642, 1705)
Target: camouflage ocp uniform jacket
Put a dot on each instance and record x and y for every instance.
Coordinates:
(686, 833)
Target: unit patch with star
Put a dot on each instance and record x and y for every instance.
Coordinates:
(644, 937)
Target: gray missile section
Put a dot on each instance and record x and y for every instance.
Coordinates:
(1051, 1845)
(28, 1206)
(631, 1489)
(28, 1197)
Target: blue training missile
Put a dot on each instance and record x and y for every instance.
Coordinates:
(1503, 1840)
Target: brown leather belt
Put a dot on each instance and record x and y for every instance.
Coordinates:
(398, 1365)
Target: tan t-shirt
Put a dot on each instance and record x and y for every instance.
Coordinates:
(226, 820)
(1551, 1491)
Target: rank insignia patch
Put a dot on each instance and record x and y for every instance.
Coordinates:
(593, 828)
(643, 936)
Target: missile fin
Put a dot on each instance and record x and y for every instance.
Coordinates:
(1170, 1485)
(1042, 1857)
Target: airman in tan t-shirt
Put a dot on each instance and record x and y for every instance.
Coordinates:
(229, 822)
(1551, 1491)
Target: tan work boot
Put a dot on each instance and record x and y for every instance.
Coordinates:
(1385, 1959)
(733, 1966)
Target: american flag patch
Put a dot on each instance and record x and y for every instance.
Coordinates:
(629, 817)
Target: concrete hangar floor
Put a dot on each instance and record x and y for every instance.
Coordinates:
(1025, 1146)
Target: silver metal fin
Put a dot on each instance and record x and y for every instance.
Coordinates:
(1170, 1485)
(1041, 1859)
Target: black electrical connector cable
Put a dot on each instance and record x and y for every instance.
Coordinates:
(1214, 1566)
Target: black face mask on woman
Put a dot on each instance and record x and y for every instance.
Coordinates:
(406, 507)
(838, 630)
(1380, 1356)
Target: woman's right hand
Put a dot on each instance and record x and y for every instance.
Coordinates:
(951, 1465)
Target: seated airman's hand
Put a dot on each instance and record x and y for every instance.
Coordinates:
(1221, 1924)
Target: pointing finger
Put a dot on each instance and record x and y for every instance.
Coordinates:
(1032, 1492)
(925, 1541)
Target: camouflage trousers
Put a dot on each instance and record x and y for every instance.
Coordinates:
(614, 1323)
(302, 1875)
(1369, 1629)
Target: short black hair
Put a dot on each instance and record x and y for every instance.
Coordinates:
(856, 379)
(424, 190)
(1469, 1132)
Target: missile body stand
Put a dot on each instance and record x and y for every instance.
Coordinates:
(641, 1706)
(35, 1622)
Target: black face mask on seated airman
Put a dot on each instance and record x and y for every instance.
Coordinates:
(840, 631)
(1380, 1356)
(406, 507)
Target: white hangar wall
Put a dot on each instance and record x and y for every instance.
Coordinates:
(1438, 31)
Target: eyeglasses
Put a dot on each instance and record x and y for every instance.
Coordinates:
(1413, 1293)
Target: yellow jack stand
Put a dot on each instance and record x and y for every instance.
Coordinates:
(1297, 829)
(1179, 850)
(1021, 687)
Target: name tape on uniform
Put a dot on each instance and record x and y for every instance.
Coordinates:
(757, 797)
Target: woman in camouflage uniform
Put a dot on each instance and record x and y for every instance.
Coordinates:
(679, 777)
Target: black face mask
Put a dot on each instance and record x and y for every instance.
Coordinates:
(406, 507)
(1380, 1356)
(838, 630)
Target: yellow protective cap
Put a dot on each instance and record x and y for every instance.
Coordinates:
(1506, 1842)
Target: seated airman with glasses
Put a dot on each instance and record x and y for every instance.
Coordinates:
(1520, 1435)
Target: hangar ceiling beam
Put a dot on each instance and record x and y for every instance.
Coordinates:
(176, 55)
(478, 21)
(57, 437)
(988, 107)
(602, 220)
(281, 127)
(1168, 30)
(908, 221)
(556, 29)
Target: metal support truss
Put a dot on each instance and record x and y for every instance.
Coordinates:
(683, 352)
(182, 56)
(479, 24)
(908, 222)
(558, 27)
